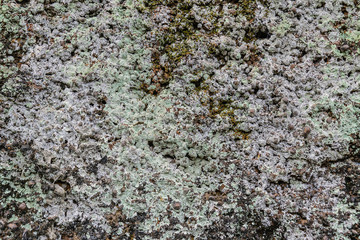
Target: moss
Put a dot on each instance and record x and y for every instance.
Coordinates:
(224, 109)
(198, 82)
(248, 7)
(176, 41)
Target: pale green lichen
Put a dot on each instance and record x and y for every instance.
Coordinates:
(283, 27)
(147, 126)
(157, 153)
(342, 226)
(346, 117)
(18, 191)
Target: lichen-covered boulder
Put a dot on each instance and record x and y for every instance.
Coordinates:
(195, 119)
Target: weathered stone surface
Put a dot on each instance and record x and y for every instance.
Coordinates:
(196, 119)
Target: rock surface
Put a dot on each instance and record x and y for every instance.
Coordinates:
(194, 119)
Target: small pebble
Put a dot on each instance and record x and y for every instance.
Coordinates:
(22, 206)
(345, 47)
(52, 217)
(306, 131)
(12, 226)
(31, 183)
(292, 150)
(2, 224)
(59, 190)
(177, 205)
(295, 113)
(285, 100)
(114, 193)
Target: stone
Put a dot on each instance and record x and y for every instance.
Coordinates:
(22, 206)
(59, 190)
(306, 131)
(12, 226)
(177, 205)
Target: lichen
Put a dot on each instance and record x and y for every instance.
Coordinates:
(194, 119)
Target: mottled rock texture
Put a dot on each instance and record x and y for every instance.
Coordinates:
(192, 119)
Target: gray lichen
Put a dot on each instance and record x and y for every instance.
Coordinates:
(191, 119)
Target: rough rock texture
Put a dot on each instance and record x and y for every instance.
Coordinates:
(193, 119)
